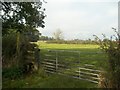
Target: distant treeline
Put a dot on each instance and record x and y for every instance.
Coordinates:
(46, 38)
(62, 41)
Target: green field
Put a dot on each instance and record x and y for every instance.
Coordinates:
(43, 80)
(87, 53)
(44, 45)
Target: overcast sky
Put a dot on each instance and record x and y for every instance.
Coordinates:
(80, 19)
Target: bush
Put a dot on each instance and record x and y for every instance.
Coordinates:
(9, 49)
(112, 48)
(12, 73)
(8, 46)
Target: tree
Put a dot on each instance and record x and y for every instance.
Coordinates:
(58, 34)
(19, 21)
(18, 15)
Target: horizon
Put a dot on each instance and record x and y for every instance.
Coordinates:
(80, 20)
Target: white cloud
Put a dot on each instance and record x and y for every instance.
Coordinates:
(85, 19)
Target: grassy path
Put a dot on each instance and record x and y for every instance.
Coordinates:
(41, 80)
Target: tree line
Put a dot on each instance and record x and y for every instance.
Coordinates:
(58, 38)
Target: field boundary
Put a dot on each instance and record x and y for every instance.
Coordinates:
(86, 72)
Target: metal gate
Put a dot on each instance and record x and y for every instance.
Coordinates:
(70, 63)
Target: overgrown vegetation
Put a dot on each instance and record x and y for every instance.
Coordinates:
(112, 48)
(41, 79)
(19, 23)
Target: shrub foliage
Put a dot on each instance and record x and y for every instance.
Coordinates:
(112, 48)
